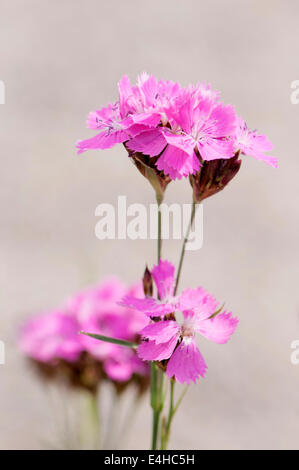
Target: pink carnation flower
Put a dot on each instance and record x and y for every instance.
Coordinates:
(96, 311)
(173, 340)
(50, 337)
(55, 336)
(138, 108)
(179, 127)
(162, 118)
(197, 125)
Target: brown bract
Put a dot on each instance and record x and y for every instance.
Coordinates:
(213, 176)
(147, 167)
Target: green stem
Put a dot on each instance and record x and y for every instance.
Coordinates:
(95, 420)
(184, 247)
(159, 199)
(154, 404)
(157, 399)
(165, 436)
(112, 419)
(172, 408)
(172, 411)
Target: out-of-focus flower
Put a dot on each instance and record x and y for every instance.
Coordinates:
(51, 336)
(172, 341)
(170, 131)
(53, 342)
(97, 311)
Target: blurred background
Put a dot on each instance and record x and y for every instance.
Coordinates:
(62, 59)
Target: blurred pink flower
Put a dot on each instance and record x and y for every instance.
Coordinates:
(51, 336)
(55, 336)
(97, 311)
(177, 127)
(173, 340)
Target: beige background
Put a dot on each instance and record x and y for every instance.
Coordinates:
(61, 59)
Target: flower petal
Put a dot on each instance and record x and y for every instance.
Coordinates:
(178, 163)
(163, 275)
(102, 141)
(253, 144)
(149, 306)
(161, 331)
(186, 364)
(220, 328)
(150, 351)
(150, 143)
(197, 302)
(212, 149)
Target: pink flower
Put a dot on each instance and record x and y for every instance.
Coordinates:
(253, 144)
(173, 340)
(55, 336)
(138, 109)
(97, 311)
(197, 125)
(178, 128)
(51, 336)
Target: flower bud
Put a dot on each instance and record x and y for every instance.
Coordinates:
(147, 283)
(213, 176)
(146, 166)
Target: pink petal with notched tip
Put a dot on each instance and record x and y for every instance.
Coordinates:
(222, 121)
(148, 87)
(163, 274)
(186, 364)
(213, 149)
(126, 97)
(102, 141)
(177, 163)
(253, 144)
(199, 302)
(218, 329)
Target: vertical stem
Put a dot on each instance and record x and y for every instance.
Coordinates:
(165, 437)
(172, 409)
(184, 247)
(154, 405)
(157, 375)
(95, 420)
(112, 417)
(159, 199)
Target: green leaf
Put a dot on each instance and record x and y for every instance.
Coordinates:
(108, 339)
(217, 312)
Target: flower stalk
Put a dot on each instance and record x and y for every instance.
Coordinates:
(194, 206)
(171, 132)
(157, 399)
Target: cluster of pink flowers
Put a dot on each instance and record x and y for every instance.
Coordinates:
(166, 338)
(54, 337)
(113, 310)
(180, 128)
